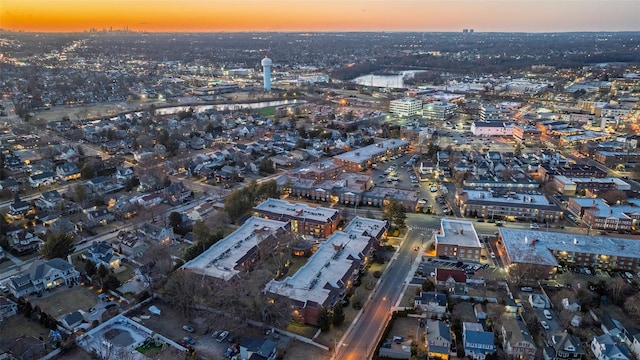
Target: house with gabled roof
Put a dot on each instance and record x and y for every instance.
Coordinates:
(42, 275)
(605, 347)
(101, 253)
(516, 339)
(155, 233)
(477, 342)
(259, 349)
(454, 280)
(45, 178)
(432, 302)
(68, 171)
(8, 308)
(563, 346)
(49, 199)
(438, 340)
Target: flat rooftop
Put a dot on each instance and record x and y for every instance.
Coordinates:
(329, 264)
(297, 210)
(457, 232)
(220, 260)
(365, 153)
(513, 199)
(518, 244)
(577, 180)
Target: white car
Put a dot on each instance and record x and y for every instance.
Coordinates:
(547, 314)
(493, 255)
(544, 325)
(534, 226)
(223, 335)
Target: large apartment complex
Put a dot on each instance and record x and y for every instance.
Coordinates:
(330, 272)
(458, 239)
(319, 222)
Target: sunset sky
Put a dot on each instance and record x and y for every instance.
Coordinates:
(321, 15)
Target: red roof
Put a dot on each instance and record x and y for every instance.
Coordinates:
(458, 276)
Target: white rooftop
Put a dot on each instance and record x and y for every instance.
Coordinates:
(365, 153)
(518, 244)
(330, 263)
(299, 210)
(457, 232)
(220, 260)
(511, 198)
(575, 180)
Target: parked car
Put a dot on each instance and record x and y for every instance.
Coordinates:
(547, 314)
(526, 289)
(223, 335)
(188, 328)
(189, 340)
(544, 325)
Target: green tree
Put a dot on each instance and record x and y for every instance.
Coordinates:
(266, 166)
(90, 268)
(88, 171)
(324, 320)
(79, 193)
(57, 246)
(110, 282)
(395, 212)
(103, 271)
(175, 219)
(338, 315)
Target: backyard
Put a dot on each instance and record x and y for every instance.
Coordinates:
(64, 300)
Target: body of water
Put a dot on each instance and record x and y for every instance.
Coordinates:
(388, 81)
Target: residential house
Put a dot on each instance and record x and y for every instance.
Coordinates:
(454, 280)
(539, 301)
(130, 245)
(605, 347)
(563, 346)
(571, 306)
(176, 193)
(614, 328)
(259, 349)
(18, 208)
(438, 340)
(23, 241)
(8, 308)
(26, 348)
(517, 341)
(477, 342)
(480, 312)
(123, 174)
(72, 320)
(99, 216)
(159, 234)
(100, 184)
(431, 302)
(68, 171)
(42, 179)
(150, 200)
(42, 275)
(49, 200)
(101, 253)
(635, 344)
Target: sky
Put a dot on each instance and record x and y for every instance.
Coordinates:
(321, 15)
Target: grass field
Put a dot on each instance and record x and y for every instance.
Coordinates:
(267, 111)
(18, 325)
(124, 274)
(303, 330)
(65, 300)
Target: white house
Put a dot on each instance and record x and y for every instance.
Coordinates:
(604, 347)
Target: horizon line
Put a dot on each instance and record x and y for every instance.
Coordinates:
(104, 30)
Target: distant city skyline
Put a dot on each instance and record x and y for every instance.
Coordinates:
(321, 15)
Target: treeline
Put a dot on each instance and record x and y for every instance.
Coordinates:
(240, 202)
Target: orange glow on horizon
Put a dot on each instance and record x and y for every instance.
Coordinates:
(318, 15)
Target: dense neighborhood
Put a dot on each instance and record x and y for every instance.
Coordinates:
(193, 211)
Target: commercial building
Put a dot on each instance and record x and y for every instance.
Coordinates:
(330, 272)
(239, 250)
(597, 214)
(362, 158)
(458, 239)
(571, 186)
(405, 107)
(318, 222)
(511, 205)
(548, 172)
(492, 128)
(537, 254)
(526, 134)
(439, 110)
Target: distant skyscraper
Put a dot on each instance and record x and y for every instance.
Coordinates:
(266, 71)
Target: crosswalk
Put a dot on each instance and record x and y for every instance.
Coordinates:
(423, 228)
